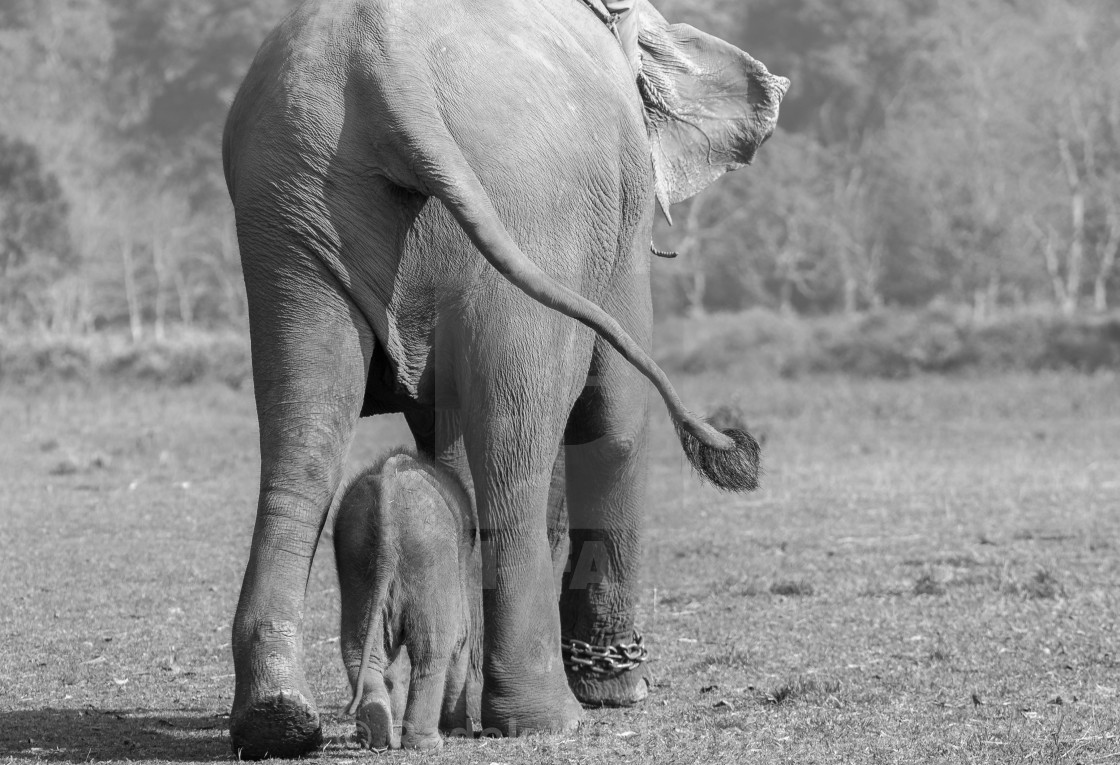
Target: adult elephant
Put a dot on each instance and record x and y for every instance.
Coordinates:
(374, 151)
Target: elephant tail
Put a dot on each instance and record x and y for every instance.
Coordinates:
(374, 553)
(374, 634)
(729, 459)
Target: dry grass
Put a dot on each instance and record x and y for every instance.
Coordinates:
(931, 573)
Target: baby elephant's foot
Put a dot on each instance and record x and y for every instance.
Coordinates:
(424, 741)
(375, 725)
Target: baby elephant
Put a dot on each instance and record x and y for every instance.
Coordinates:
(407, 568)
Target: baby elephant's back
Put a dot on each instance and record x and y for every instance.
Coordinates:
(427, 509)
(402, 516)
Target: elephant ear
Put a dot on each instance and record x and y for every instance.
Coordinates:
(709, 105)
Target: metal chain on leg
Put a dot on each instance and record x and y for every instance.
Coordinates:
(604, 661)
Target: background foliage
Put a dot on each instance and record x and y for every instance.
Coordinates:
(949, 153)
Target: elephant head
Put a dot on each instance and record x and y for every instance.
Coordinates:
(709, 105)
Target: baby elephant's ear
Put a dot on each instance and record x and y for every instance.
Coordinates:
(709, 105)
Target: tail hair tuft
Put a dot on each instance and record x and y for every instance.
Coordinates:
(734, 469)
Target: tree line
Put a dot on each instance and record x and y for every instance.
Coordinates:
(929, 151)
(964, 151)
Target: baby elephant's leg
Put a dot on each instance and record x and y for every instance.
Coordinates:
(396, 680)
(440, 660)
(455, 718)
(375, 715)
(420, 729)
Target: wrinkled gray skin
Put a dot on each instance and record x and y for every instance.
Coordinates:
(409, 570)
(427, 192)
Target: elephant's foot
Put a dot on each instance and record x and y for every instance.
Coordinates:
(527, 712)
(607, 676)
(273, 713)
(283, 724)
(428, 742)
(620, 690)
(375, 725)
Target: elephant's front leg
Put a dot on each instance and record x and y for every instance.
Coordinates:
(524, 686)
(309, 371)
(607, 456)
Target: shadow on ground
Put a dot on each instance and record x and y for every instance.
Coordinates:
(81, 735)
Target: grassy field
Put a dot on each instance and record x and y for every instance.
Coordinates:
(930, 574)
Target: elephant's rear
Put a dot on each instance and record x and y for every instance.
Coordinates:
(288, 110)
(376, 63)
(356, 113)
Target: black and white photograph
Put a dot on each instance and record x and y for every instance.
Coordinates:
(573, 382)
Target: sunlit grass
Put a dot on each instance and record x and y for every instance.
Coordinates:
(930, 573)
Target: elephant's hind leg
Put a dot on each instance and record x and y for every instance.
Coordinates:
(606, 460)
(512, 450)
(310, 352)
